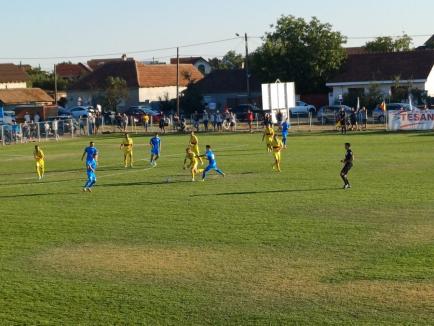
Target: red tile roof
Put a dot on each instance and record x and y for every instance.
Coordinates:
(228, 81)
(12, 73)
(24, 96)
(409, 65)
(72, 70)
(137, 74)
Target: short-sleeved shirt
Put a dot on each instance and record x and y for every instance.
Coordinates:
(285, 127)
(155, 143)
(211, 157)
(91, 152)
(128, 144)
(194, 140)
(39, 155)
(349, 157)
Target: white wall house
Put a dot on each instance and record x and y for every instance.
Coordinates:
(200, 63)
(412, 69)
(145, 83)
(12, 76)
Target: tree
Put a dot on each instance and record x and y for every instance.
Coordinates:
(116, 91)
(307, 52)
(230, 60)
(45, 80)
(388, 44)
(191, 99)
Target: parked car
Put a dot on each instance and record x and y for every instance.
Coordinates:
(8, 117)
(80, 111)
(242, 109)
(379, 115)
(139, 111)
(327, 114)
(302, 108)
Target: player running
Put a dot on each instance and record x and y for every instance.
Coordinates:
(348, 164)
(90, 152)
(277, 148)
(285, 130)
(155, 144)
(91, 174)
(127, 146)
(268, 136)
(194, 163)
(194, 144)
(212, 163)
(39, 156)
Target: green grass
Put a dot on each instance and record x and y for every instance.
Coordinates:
(253, 248)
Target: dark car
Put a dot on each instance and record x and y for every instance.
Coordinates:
(139, 111)
(242, 110)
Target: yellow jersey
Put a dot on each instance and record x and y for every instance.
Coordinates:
(127, 144)
(269, 132)
(146, 118)
(39, 155)
(277, 145)
(193, 158)
(194, 140)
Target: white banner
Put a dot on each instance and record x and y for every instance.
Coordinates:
(411, 120)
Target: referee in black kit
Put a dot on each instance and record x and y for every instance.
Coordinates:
(348, 164)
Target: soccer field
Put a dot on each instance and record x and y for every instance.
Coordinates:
(148, 246)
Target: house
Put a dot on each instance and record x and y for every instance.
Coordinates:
(72, 71)
(200, 63)
(229, 87)
(12, 76)
(411, 69)
(145, 83)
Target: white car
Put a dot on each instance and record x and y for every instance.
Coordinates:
(302, 108)
(8, 117)
(80, 111)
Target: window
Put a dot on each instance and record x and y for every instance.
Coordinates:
(201, 68)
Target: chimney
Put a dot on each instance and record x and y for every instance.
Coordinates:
(124, 57)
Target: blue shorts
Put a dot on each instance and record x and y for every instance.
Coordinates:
(284, 135)
(155, 151)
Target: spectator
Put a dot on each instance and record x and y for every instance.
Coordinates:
(195, 119)
(55, 126)
(214, 120)
(37, 118)
(205, 119)
(26, 131)
(162, 123)
(353, 120)
(279, 118)
(233, 122)
(98, 122)
(47, 128)
(250, 119)
(363, 118)
(146, 122)
(219, 121)
(124, 122)
(27, 117)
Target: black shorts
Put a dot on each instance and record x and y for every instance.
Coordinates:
(347, 167)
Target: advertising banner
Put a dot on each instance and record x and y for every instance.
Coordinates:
(411, 120)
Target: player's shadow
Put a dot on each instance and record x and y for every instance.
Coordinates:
(244, 193)
(144, 183)
(38, 195)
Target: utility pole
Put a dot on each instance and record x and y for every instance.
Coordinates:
(177, 80)
(246, 66)
(55, 84)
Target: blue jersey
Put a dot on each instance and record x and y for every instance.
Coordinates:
(211, 157)
(155, 143)
(285, 127)
(92, 164)
(91, 152)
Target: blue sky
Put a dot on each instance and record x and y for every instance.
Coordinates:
(48, 28)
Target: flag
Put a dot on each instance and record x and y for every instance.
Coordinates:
(383, 106)
(409, 102)
(358, 103)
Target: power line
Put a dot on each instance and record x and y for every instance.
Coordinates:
(366, 37)
(120, 53)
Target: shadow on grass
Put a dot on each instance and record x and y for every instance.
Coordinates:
(39, 194)
(144, 183)
(243, 193)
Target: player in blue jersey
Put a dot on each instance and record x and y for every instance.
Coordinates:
(90, 152)
(285, 130)
(155, 144)
(212, 163)
(91, 174)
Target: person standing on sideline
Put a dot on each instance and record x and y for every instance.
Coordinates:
(90, 152)
(348, 164)
(364, 118)
(55, 127)
(127, 146)
(285, 130)
(91, 174)
(39, 156)
(27, 117)
(343, 121)
(36, 118)
(146, 122)
(205, 119)
(212, 163)
(155, 144)
(250, 119)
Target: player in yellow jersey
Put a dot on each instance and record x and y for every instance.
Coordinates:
(268, 136)
(39, 156)
(277, 146)
(127, 146)
(194, 163)
(194, 145)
